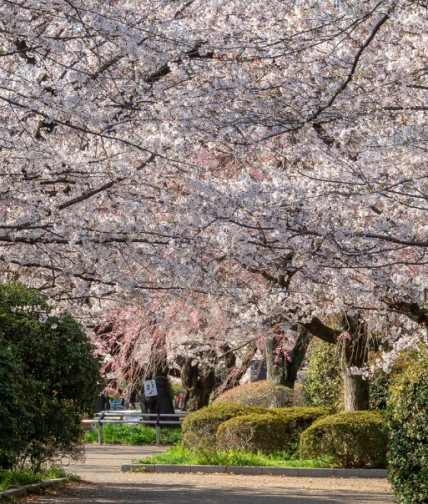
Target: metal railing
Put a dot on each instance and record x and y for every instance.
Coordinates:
(132, 417)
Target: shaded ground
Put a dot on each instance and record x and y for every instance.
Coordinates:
(105, 484)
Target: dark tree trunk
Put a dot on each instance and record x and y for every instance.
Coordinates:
(236, 373)
(157, 369)
(275, 370)
(198, 382)
(285, 371)
(162, 403)
(354, 354)
(297, 354)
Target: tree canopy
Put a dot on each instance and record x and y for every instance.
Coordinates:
(271, 154)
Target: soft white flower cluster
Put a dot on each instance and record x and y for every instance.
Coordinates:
(270, 154)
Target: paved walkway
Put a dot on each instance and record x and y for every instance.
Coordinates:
(104, 483)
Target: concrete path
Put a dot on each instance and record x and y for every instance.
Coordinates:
(104, 483)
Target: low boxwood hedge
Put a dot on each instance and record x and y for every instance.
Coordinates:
(276, 430)
(199, 428)
(352, 439)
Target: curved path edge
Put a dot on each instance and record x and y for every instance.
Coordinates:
(258, 470)
(27, 489)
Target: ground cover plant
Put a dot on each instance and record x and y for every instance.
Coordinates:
(181, 455)
(134, 435)
(10, 479)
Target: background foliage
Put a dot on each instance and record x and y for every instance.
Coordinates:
(323, 385)
(408, 425)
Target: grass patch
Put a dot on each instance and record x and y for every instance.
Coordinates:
(11, 479)
(180, 455)
(134, 435)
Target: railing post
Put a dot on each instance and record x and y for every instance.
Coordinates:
(158, 430)
(100, 429)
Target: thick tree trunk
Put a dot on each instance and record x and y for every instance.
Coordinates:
(162, 403)
(198, 383)
(157, 369)
(285, 371)
(354, 354)
(356, 392)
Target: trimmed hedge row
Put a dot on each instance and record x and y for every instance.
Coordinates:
(275, 430)
(353, 439)
(200, 427)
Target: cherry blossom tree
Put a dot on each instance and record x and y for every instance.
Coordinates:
(189, 339)
(175, 147)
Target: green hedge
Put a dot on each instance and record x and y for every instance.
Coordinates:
(274, 431)
(407, 416)
(199, 428)
(353, 439)
(262, 393)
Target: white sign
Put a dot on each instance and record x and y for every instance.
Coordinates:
(150, 389)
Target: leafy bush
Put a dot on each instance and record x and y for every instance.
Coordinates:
(12, 412)
(262, 393)
(408, 425)
(352, 439)
(199, 428)
(50, 375)
(275, 430)
(323, 385)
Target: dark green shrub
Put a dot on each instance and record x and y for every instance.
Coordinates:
(276, 430)
(199, 428)
(12, 411)
(50, 375)
(262, 393)
(323, 384)
(407, 417)
(352, 439)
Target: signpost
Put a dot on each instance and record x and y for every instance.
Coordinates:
(150, 389)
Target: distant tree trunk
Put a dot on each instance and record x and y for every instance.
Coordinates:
(235, 373)
(354, 354)
(297, 354)
(162, 403)
(157, 369)
(198, 380)
(285, 371)
(353, 341)
(275, 370)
